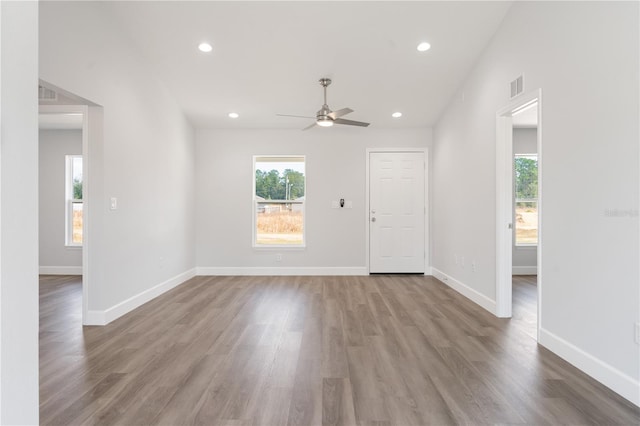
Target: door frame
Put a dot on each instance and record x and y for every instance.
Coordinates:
(367, 210)
(84, 110)
(504, 204)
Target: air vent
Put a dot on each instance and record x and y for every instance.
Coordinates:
(517, 86)
(45, 94)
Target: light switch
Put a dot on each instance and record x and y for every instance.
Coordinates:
(348, 204)
(335, 204)
(114, 203)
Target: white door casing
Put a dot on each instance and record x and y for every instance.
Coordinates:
(504, 204)
(397, 212)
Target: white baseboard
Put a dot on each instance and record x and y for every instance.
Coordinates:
(466, 291)
(60, 270)
(108, 315)
(524, 270)
(622, 384)
(275, 271)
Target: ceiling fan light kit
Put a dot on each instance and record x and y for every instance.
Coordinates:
(324, 122)
(327, 118)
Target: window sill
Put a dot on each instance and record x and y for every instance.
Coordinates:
(282, 247)
(526, 246)
(68, 247)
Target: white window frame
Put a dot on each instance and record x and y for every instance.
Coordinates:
(70, 201)
(254, 204)
(523, 200)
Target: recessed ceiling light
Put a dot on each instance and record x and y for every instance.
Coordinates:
(396, 115)
(205, 47)
(234, 115)
(424, 46)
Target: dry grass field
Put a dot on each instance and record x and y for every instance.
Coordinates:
(527, 225)
(77, 227)
(279, 228)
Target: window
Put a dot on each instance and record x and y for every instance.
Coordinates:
(74, 207)
(279, 201)
(526, 199)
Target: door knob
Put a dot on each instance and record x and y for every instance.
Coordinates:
(373, 219)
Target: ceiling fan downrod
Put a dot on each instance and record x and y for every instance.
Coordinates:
(324, 82)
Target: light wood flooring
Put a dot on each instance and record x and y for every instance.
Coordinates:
(376, 350)
(525, 304)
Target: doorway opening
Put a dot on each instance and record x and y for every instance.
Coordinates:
(62, 190)
(68, 125)
(519, 210)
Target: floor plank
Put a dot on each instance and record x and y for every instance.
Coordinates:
(376, 350)
(525, 304)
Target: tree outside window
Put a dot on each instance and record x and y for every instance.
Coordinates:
(526, 199)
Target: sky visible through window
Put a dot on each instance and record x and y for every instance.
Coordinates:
(267, 166)
(77, 169)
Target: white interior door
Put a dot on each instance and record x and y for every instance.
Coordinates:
(396, 212)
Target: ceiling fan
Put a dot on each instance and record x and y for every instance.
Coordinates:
(327, 118)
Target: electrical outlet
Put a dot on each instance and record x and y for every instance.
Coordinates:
(638, 333)
(462, 262)
(278, 257)
(455, 257)
(473, 265)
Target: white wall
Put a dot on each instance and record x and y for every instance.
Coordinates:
(584, 56)
(54, 145)
(145, 159)
(524, 258)
(335, 168)
(19, 213)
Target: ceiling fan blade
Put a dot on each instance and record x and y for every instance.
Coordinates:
(350, 122)
(297, 116)
(310, 126)
(340, 113)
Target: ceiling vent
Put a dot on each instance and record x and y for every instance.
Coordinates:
(517, 86)
(45, 94)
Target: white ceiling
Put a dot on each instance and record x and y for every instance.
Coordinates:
(268, 56)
